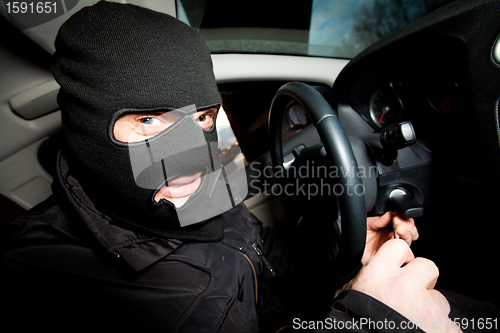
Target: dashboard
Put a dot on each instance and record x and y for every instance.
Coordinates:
(422, 88)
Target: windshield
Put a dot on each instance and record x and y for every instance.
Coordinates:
(325, 28)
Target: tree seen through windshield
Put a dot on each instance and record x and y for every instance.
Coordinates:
(327, 28)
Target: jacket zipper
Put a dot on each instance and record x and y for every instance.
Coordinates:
(263, 259)
(240, 249)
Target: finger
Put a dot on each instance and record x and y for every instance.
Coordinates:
(424, 271)
(414, 232)
(347, 286)
(379, 222)
(393, 253)
(408, 224)
(402, 233)
(407, 232)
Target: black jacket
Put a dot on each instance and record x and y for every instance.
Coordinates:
(66, 266)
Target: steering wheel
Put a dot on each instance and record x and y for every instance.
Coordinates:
(351, 205)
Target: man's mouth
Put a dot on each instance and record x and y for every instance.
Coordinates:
(182, 186)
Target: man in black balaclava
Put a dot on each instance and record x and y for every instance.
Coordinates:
(145, 230)
(143, 64)
(146, 225)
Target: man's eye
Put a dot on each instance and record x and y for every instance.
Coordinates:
(148, 121)
(204, 118)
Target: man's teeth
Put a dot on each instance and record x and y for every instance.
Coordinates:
(182, 184)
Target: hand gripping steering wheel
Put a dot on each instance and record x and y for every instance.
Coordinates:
(352, 207)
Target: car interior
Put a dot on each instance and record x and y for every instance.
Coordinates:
(408, 95)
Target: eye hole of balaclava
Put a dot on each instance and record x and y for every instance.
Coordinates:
(183, 160)
(174, 153)
(139, 126)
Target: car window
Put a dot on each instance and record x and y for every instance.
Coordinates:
(228, 144)
(326, 28)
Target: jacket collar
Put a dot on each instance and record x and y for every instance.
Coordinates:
(137, 249)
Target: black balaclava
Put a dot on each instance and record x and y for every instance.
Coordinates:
(112, 59)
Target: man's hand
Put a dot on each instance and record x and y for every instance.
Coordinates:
(379, 231)
(409, 289)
